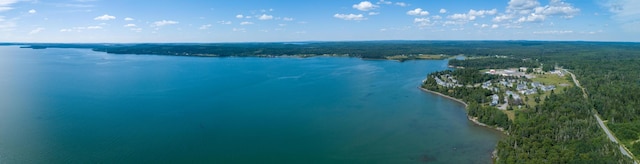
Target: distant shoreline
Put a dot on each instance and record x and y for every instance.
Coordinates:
(472, 119)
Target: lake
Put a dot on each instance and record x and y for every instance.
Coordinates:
(80, 106)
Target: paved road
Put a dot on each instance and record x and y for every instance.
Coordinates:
(601, 123)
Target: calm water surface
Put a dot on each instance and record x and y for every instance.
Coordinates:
(79, 106)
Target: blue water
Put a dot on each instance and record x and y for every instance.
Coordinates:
(80, 106)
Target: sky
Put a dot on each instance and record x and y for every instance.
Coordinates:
(136, 21)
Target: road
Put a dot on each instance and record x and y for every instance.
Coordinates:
(604, 127)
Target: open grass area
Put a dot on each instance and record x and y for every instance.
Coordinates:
(511, 114)
(551, 79)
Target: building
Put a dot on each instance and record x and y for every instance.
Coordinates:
(495, 99)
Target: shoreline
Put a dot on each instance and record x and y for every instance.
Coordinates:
(472, 119)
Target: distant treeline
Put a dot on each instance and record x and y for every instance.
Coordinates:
(363, 49)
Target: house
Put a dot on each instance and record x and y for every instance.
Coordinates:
(494, 99)
(548, 88)
(523, 69)
(537, 85)
(513, 95)
(487, 85)
(521, 87)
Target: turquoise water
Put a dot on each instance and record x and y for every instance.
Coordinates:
(79, 106)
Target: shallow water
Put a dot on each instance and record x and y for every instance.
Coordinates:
(80, 106)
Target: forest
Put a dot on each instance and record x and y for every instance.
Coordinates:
(563, 130)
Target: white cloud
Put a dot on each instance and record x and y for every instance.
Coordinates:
(5, 5)
(533, 17)
(482, 13)
(442, 11)
(350, 16)
(239, 16)
(128, 19)
(130, 25)
(384, 2)
(401, 4)
(36, 31)
(436, 17)
(522, 7)
(625, 12)
(287, 19)
(495, 26)
(557, 7)
(164, 23)
(224, 22)
(374, 13)
(502, 17)
(204, 27)
(239, 30)
(417, 12)
(94, 27)
(533, 11)
(265, 17)
(105, 17)
(246, 23)
(32, 11)
(555, 32)
(422, 22)
(462, 17)
(365, 6)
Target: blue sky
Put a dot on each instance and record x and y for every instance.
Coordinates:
(317, 20)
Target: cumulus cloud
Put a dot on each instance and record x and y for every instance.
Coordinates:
(36, 31)
(224, 22)
(105, 17)
(533, 17)
(350, 16)
(130, 25)
(265, 17)
(365, 6)
(239, 16)
(533, 11)
(374, 13)
(287, 19)
(32, 11)
(417, 12)
(128, 19)
(164, 23)
(482, 13)
(384, 2)
(495, 26)
(523, 7)
(462, 17)
(401, 4)
(442, 11)
(422, 22)
(94, 27)
(246, 23)
(204, 27)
